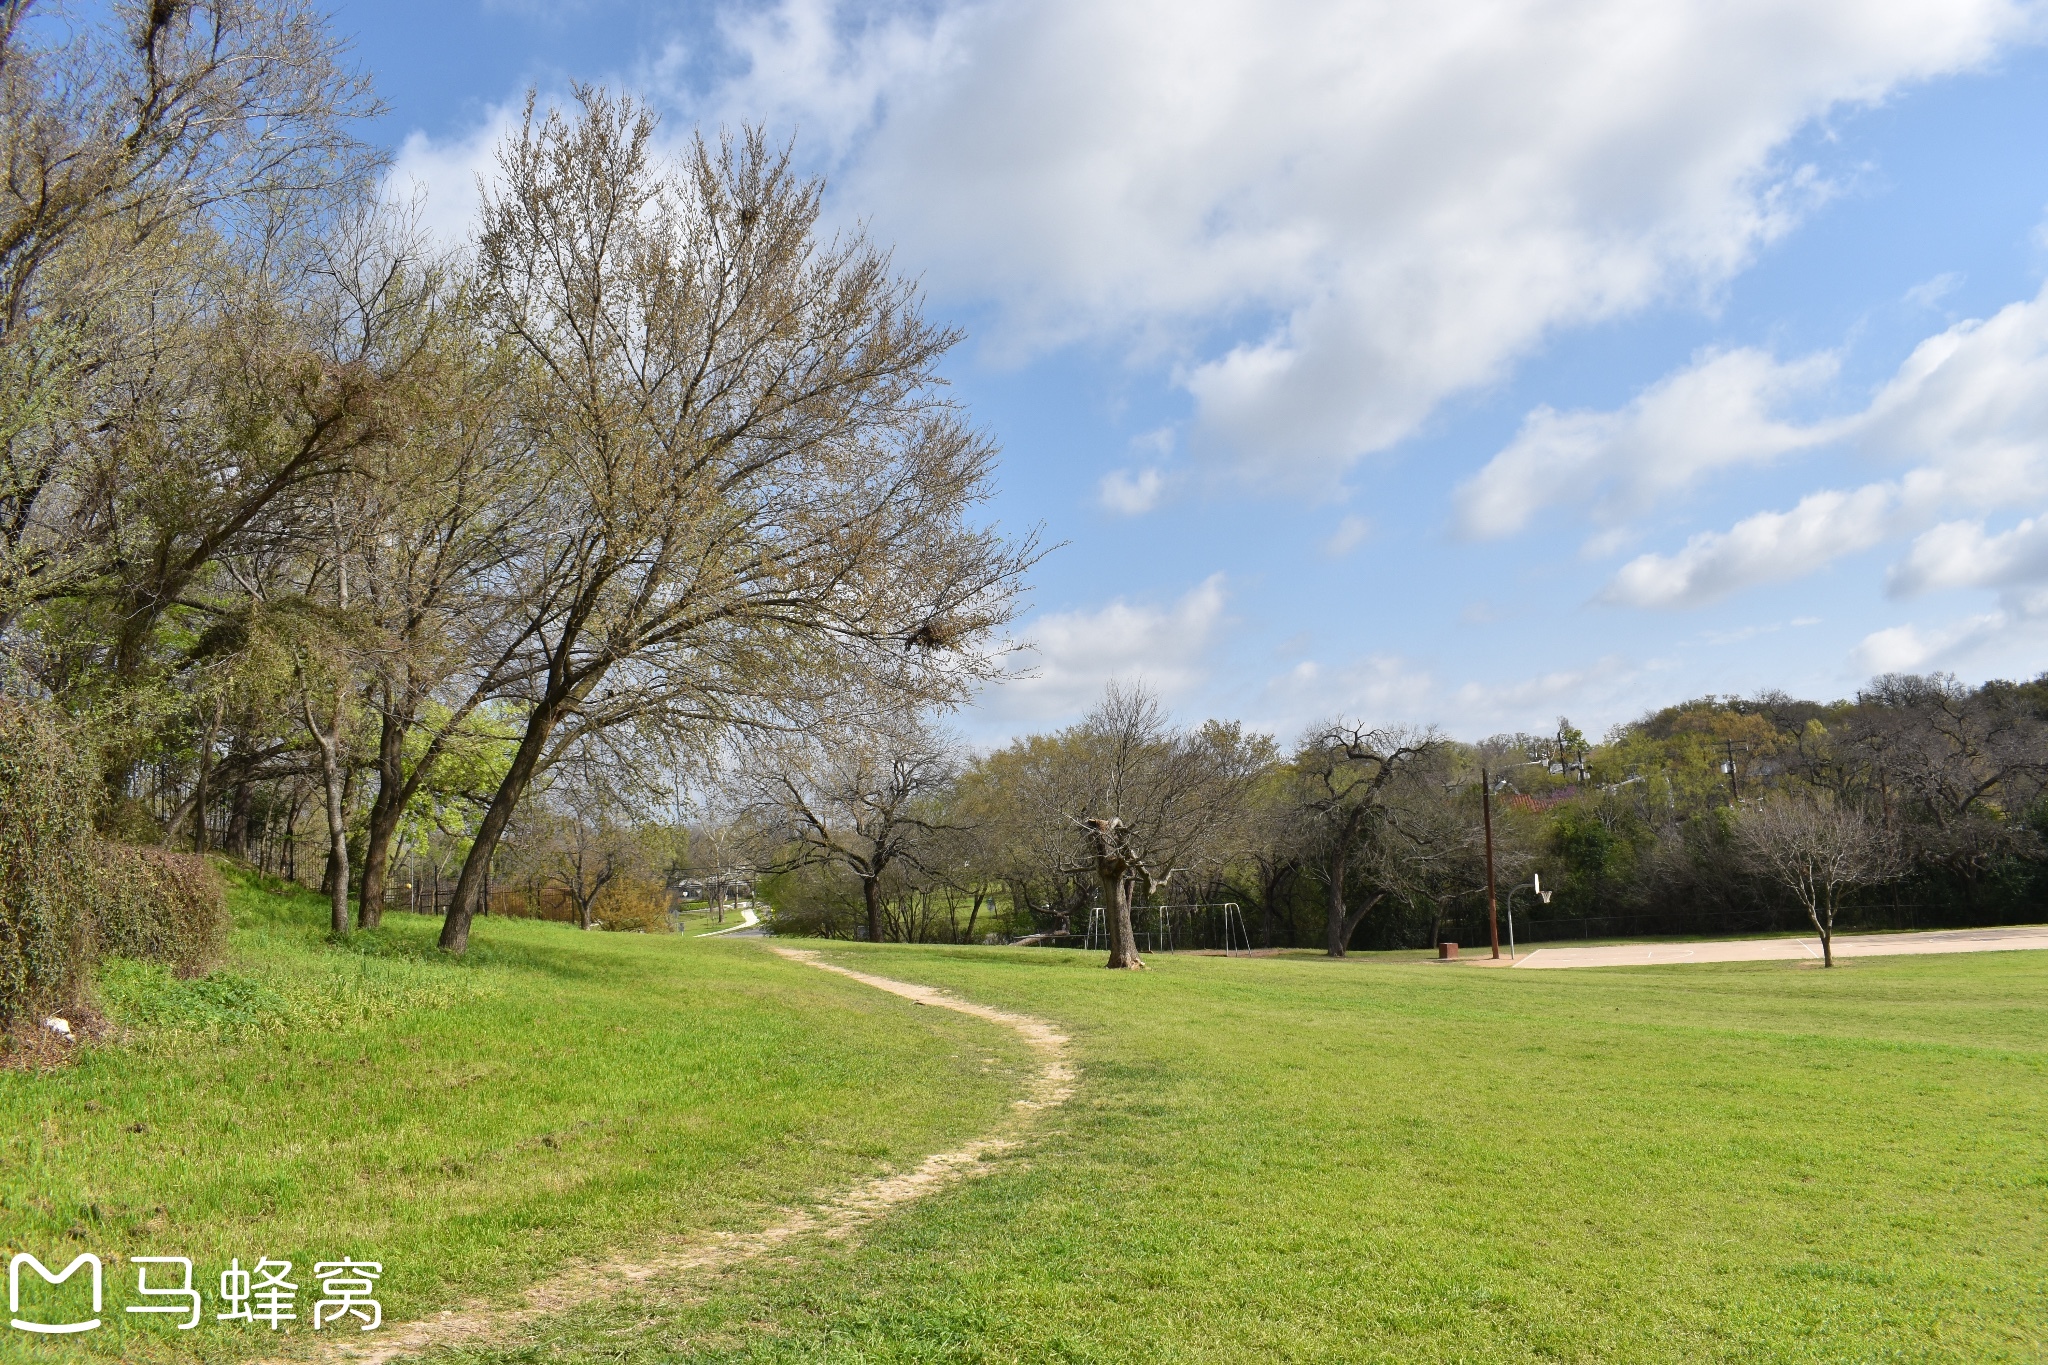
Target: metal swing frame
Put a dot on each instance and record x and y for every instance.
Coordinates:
(1160, 937)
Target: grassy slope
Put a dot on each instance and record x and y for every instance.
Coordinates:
(471, 1124)
(1284, 1160)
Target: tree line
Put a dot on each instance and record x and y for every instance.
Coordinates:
(1918, 802)
(321, 534)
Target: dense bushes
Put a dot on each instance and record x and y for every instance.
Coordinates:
(157, 904)
(47, 852)
(68, 897)
(623, 905)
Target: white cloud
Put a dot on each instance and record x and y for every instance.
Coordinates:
(1385, 689)
(1351, 533)
(1766, 548)
(1130, 494)
(1136, 491)
(1971, 406)
(1744, 634)
(445, 173)
(1958, 554)
(1394, 201)
(1076, 653)
(1966, 414)
(1713, 415)
(1930, 293)
(1908, 649)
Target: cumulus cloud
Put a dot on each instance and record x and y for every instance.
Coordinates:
(1766, 548)
(1713, 415)
(1970, 406)
(441, 176)
(1130, 493)
(1074, 654)
(1912, 648)
(1134, 491)
(1960, 554)
(1966, 415)
(1369, 206)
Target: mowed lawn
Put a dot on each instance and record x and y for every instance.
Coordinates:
(1379, 1160)
(473, 1125)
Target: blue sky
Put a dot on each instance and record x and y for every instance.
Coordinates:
(1469, 363)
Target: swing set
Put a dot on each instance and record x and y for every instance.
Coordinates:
(1206, 926)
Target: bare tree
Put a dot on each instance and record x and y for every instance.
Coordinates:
(1347, 775)
(154, 161)
(588, 836)
(757, 499)
(869, 802)
(1819, 850)
(448, 499)
(1129, 799)
(1949, 766)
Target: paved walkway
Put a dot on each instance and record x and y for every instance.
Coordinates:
(1776, 949)
(748, 927)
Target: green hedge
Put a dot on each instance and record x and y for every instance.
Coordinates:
(68, 897)
(47, 856)
(156, 904)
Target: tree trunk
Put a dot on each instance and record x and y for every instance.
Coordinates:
(871, 894)
(387, 807)
(329, 746)
(1824, 925)
(291, 837)
(237, 843)
(463, 904)
(1336, 935)
(1116, 901)
(201, 791)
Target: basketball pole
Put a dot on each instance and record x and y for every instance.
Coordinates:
(1486, 815)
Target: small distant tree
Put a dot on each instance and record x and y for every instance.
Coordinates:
(1129, 797)
(1820, 851)
(867, 803)
(1348, 774)
(589, 836)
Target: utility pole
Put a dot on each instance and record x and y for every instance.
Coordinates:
(1734, 784)
(1486, 815)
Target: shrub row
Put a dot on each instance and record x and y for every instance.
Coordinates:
(158, 904)
(69, 897)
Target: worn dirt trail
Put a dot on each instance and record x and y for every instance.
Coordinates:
(839, 1217)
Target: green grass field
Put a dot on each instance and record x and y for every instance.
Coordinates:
(471, 1124)
(1276, 1159)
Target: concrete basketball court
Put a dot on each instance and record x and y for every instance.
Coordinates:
(1779, 949)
